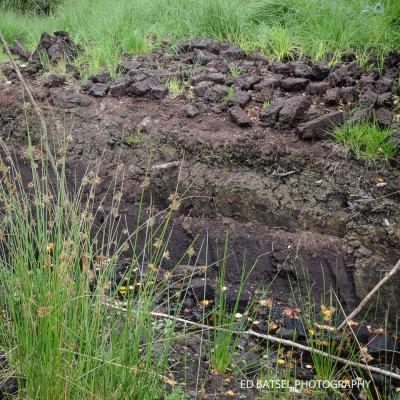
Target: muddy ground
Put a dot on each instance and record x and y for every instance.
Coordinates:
(249, 136)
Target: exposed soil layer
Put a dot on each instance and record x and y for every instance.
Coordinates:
(250, 137)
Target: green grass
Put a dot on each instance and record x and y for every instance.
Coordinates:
(230, 94)
(235, 70)
(36, 6)
(175, 88)
(223, 344)
(278, 367)
(368, 141)
(57, 272)
(267, 103)
(281, 28)
(278, 41)
(135, 138)
(325, 313)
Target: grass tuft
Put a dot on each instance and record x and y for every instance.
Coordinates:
(35, 6)
(57, 272)
(368, 141)
(282, 29)
(174, 87)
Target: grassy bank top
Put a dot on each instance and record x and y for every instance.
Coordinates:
(279, 28)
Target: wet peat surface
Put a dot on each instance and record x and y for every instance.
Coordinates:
(250, 137)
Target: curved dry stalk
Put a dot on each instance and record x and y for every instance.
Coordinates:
(25, 86)
(369, 295)
(271, 338)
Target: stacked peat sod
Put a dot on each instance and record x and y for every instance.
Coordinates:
(299, 96)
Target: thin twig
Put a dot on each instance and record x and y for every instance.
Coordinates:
(282, 174)
(271, 338)
(167, 165)
(34, 103)
(369, 295)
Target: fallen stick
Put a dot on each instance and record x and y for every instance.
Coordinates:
(369, 295)
(167, 165)
(283, 174)
(34, 103)
(271, 338)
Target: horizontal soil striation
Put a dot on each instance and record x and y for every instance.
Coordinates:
(250, 136)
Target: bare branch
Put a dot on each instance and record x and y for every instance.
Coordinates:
(369, 295)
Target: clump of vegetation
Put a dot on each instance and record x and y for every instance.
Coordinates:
(36, 6)
(135, 138)
(174, 86)
(267, 103)
(235, 69)
(368, 141)
(61, 327)
(224, 343)
(278, 41)
(229, 95)
(282, 29)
